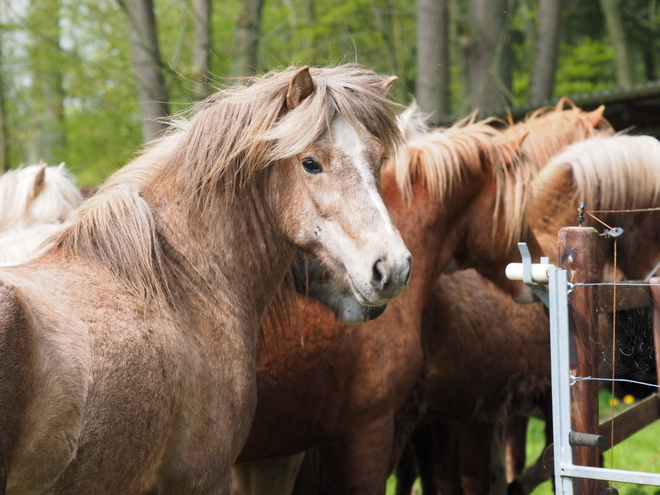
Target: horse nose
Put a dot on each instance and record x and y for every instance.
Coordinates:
(385, 274)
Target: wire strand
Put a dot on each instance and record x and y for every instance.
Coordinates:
(576, 379)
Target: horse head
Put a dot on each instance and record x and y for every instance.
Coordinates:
(36, 194)
(337, 212)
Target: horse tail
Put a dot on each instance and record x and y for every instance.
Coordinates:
(16, 354)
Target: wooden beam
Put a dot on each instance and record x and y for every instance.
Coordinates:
(630, 421)
(578, 256)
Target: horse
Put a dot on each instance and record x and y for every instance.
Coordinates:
(550, 129)
(128, 346)
(351, 391)
(547, 131)
(470, 321)
(35, 201)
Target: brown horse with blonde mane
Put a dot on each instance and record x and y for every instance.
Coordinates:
(547, 131)
(128, 348)
(471, 321)
(351, 390)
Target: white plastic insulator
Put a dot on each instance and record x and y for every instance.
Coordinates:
(514, 271)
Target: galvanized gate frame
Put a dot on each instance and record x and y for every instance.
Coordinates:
(563, 436)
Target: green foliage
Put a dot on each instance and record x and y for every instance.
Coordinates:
(587, 66)
(101, 119)
(637, 453)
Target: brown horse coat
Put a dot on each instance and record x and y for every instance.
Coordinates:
(128, 348)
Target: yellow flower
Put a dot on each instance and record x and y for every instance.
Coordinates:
(613, 402)
(628, 399)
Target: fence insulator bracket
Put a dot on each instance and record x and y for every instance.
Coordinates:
(577, 439)
(534, 275)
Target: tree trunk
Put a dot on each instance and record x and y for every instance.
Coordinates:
(547, 48)
(247, 38)
(489, 55)
(612, 11)
(147, 65)
(4, 139)
(387, 31)
(46, 59)
(433, 57)
(311, 41)
(202, 47)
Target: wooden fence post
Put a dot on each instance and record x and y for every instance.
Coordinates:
(578, 256)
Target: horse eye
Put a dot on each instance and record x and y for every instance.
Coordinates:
(311, 166)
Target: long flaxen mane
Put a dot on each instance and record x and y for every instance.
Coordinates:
(607, 173)
(221, 147)
(551, 129)
(443, 157)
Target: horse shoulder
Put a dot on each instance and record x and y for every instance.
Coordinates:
(42, 393)
(16, 370)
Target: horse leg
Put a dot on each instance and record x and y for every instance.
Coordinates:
(312, 477)
(360, 464)
(423, 442)
(446, 464)
(498, 481)
(406, 471)
(537, 473)
(475, 444)
(274, 476)
(515, 439)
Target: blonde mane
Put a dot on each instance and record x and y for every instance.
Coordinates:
(443, 157)
(22, 206)
(551, 129)
(213, 153)
(618, 172)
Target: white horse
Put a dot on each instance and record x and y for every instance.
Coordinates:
(35, 202)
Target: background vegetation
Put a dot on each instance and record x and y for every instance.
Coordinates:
(68, 85)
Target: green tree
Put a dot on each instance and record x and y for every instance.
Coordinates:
(46, 58)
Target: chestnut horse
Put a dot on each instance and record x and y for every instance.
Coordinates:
(351, 391)
(128, 347)
(35, 201)
(470, 321)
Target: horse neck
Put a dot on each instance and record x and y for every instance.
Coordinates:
(550, 209)
(235, 254)
(430, 228)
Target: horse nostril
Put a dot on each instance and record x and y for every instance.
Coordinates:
(409, 269)
(378, 279)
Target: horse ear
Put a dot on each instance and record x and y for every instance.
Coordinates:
(300, 87)
(518, 141)
(560, 104)
(39, 182)
(595, 116)
(509, 117)
(385, 86)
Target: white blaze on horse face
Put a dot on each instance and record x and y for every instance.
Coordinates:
(365, 240)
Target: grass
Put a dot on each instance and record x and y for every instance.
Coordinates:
(640, 452)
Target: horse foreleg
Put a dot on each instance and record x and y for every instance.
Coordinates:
(274, 476)
(537, 473)
(475, 444)
(446, 462)
(515, 441)
(360, 464)
(406, 471)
